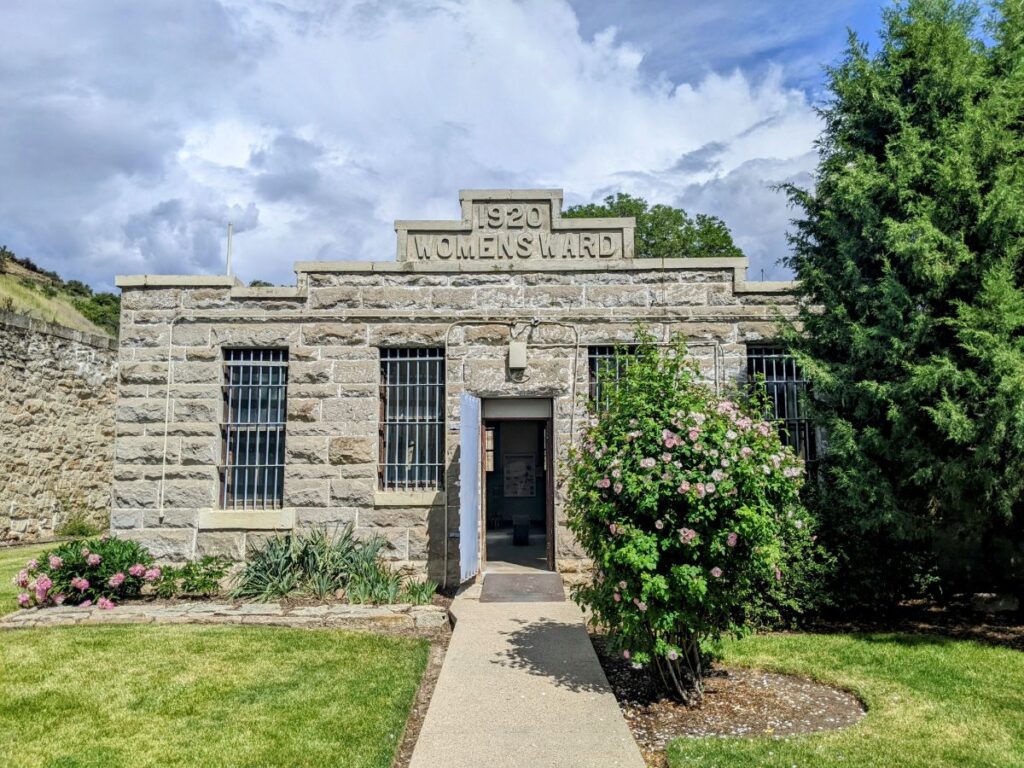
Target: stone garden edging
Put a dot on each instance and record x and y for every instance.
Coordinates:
(426, 618)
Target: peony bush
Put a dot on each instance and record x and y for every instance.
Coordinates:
(688, 505)
(99, 571)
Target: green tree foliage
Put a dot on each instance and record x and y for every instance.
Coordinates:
(103, 309)
(687, 503)
(664, 232)
(912, 244)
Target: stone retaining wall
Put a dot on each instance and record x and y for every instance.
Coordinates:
(424, 618)
(57, 395)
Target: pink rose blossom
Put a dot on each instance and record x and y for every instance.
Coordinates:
(152, 574)
(684, 487)
(745, 451)
(24, 600)
(622, 585)
(116, 580)
(55, 562)
(672, 655)
(778, 574)
(617, 487)
(105, 604)
(93, 560)
(647, 462)
(137, 570)
(666, 457)
(694, 435)
(616, 597)
(731, 539)
(710, 487)
(658, 524)
(687, 535)
(642, 606)
(604, 482)
(613, 528)
(716, 572)
(80, 584)
(625, 654)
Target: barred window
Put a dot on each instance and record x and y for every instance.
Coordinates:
(605, 364)
(412, 408)
(255, 411)
(787, 389)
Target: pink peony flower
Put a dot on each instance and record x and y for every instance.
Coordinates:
(24, 600)
(137, 570)
(21, 580)
(59, 598)
(44, 582)
(85, 603)
(731, 540)
(716, 572)
(32, 564)
(152, 574)
(116, 580)
(105, 604)
(93, 560)
(80, 584)
(616, 473)
(55, 563)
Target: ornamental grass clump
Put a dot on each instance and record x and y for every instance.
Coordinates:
(687, 503)
(99, 571)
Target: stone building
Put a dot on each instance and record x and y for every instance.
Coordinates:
(57, 393)
(428, 399)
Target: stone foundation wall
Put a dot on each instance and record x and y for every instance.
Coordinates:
(333, 323)
(57, 395)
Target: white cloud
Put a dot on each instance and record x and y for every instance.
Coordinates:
(313, 129)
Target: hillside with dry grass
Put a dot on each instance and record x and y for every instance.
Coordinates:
(30, 290)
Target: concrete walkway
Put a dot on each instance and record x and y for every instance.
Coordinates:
(522, 686)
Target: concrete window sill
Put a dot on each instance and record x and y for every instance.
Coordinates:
(409, 499)
(271, 520)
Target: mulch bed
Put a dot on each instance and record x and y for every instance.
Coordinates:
(438, 648)
(737, 702)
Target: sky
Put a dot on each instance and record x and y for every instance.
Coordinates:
(133, 132)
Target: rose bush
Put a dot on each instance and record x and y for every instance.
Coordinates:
(687, 503)
(101, 571)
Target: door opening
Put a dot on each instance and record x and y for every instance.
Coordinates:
(518, 506)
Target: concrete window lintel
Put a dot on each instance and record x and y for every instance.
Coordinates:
(269, 520)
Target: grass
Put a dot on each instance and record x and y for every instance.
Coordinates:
(932, 701)
(13, 560)
(54, 309)
(110, 696)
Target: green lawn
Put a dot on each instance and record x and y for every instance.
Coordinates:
(12, 561)
(931, 702)
(134, 696)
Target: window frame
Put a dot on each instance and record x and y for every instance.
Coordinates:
(605, 353)
(792, 389)
(269, 428)
(413, 378)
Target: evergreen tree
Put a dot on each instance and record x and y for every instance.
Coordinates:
(664, 232)
(910, 253)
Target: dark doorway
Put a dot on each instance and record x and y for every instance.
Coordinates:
(517, 495)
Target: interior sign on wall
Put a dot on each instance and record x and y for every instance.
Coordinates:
(514, 225)
(520, 475)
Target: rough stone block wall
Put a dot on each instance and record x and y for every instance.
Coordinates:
(333, 324)
(57, 397)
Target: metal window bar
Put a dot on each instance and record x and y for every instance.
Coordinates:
(605, 364)
(255, 395)
(412, 419)
(787, 390)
